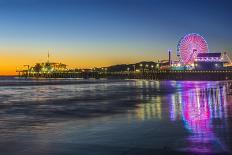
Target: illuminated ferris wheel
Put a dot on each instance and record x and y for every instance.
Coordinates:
(189, 46)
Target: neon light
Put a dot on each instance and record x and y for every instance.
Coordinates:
(189, 46)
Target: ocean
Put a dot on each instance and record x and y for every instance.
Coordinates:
(77, 116)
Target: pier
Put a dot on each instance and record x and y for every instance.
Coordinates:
(205, 75)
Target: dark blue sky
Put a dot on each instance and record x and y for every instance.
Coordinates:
(139, 29)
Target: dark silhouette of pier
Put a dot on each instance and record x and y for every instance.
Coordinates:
(205, 75)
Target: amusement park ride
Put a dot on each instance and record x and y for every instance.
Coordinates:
(189, 46)
(193, 51)
(227, 60)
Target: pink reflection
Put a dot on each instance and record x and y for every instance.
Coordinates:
(199, 106)
(196, 116)
(196, 112)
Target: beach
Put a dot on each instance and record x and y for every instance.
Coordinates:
(103, 116)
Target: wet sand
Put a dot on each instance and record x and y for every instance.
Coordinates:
(115, 117)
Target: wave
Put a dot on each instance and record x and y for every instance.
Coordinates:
(14, 81)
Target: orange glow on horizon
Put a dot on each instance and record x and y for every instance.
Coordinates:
(10, 61)
(10, 69)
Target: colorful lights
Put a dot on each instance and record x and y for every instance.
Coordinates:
(189, 46)
(198, 105)
(212, 59)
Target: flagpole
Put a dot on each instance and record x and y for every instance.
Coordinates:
(48, 56)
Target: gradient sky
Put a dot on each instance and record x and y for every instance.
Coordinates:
(88, 33)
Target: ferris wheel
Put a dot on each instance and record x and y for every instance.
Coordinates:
(189, 46)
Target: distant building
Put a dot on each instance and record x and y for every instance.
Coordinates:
(137, 67)
(208, 61)
(48, 67)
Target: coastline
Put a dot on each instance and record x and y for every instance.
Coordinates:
(115, 117)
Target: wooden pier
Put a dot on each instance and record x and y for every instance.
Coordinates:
(204, 75)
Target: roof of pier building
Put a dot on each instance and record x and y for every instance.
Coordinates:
(209, 57)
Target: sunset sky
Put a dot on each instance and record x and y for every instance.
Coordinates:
(93, 33)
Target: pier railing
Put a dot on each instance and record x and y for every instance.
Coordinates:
(150, 75)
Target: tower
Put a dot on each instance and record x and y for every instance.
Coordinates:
(48, 57)
(169, 57)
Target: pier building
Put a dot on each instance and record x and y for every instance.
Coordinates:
(209, 61)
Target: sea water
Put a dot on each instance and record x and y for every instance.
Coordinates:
(76, 116)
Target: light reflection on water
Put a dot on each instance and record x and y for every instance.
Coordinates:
(199, 105)
(202, 109)
(199, 108)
